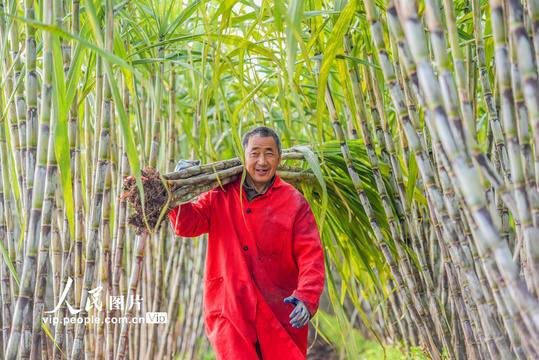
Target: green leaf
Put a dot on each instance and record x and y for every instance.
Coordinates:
(314, 163)
(412, 177)
(335, 42)
(8, 262)
(61, 141)
(344, 325)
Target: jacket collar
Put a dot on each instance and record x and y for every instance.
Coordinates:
(276, 184)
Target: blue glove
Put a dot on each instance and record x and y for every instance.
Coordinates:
(184, 164)
(301, 312)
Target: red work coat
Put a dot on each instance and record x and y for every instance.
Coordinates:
(258, 254)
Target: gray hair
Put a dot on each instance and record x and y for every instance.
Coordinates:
(262, 131)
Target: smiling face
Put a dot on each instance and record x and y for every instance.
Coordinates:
(261, 160)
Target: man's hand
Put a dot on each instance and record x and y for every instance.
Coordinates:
(301, 313)
(184, 164)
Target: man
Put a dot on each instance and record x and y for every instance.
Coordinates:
(264, 254)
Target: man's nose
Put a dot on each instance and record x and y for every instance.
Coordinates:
(262, 160)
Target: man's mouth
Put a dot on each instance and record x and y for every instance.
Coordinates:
(261, 172)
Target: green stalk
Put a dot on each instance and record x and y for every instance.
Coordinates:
(22, 317)
(511, 129)
(105, 260)
(524, 138)
(528, 70)
(395, 231)
(490, 102)
(133, 285)
(158, 292)
(458, 65)
(173, 301)
(448, 91)
(467, 176)
(20, 103)
(45, 240)
(99, 199)
(32, 122)
(5, 272)
(418, 316)
(423, 163)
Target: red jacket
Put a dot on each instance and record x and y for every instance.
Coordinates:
(258, 254)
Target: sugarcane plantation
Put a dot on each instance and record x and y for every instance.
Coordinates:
(255, 179)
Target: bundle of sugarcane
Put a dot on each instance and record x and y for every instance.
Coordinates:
(164, 192)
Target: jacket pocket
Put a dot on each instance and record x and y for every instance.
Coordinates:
(214, 295)
(273, 235)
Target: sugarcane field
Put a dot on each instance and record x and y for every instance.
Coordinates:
(277, 180)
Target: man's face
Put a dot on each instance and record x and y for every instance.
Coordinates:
(261, 159)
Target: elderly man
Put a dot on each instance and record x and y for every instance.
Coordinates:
(265, 265)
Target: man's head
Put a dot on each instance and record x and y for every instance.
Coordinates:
(262, 148)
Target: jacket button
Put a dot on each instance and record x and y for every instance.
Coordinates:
(248, 211)
(245, 248)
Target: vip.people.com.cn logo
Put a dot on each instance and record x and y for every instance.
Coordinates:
(94, 301)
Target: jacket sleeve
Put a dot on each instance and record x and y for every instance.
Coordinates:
(192, 219)
(309, 255)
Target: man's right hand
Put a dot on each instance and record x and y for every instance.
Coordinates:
(184, 164)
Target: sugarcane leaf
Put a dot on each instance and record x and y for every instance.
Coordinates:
(46, 329)
(334, 45)
(186, 13)
(196, 71)
(318, 329)
(246, 100)
(344, 325)
(13, 175)
(295, 8)
(343, 77)
(224, 8)
(357, 60)
(119, 48)
(61, 139)
(242, 43)
(314, 163)
(412, 177)
(8, 261)
(55, 30)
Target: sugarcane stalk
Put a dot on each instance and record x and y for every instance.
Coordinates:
(395, 231)
(381, 241)
(105, 262)
(173, 301)
(494, 276)
(32, 124)
(98, 200)
(133, 285)
(45, 240)
(5, 282)
(200, 169)
(395, 165)
(191, 315)
(486, 318)
(20, 102)
(511, 130)
(158, 293)
(423, 163)
(22, 317)
(458, 65)
(525, 60)
(466, 175)
(14, 133)
(207, 178)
